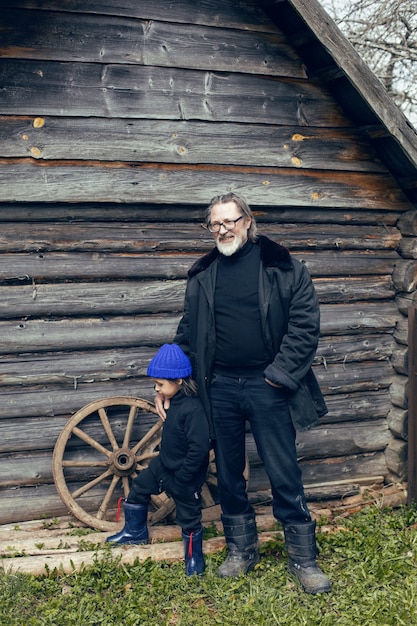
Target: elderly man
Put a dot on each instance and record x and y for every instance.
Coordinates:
(250, 326)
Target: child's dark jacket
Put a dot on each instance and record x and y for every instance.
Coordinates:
(185, 440)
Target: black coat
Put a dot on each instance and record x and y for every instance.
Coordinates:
(290, 324)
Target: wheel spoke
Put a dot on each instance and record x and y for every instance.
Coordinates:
(131, 420)
(103, 507)
(92, 442)
(155, 428)
(126, 486)
(106, 425)
(147, 455)
(91, 484)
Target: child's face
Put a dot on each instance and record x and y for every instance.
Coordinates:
(168, 388)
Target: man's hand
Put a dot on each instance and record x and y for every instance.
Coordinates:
(278, 385)
(162, 405)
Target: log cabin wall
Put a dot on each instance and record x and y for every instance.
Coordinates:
(119, 122)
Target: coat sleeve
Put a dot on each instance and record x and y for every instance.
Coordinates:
(299, 343)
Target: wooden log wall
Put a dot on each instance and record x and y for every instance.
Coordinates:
(119, 122)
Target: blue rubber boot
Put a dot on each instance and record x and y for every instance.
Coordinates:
(193, 553)
(135, 530)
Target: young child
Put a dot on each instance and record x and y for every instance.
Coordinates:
(180, 468)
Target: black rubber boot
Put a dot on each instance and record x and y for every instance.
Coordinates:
(135, 530)
(193, 553)
(300, 540)
(242, 541)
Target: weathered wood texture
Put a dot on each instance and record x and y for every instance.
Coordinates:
(119, 121)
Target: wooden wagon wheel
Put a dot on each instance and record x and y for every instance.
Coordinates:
(98, 452)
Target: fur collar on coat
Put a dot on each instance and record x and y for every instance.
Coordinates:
(272, 255)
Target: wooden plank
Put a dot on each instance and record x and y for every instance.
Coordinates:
(133, 91)
(324, 441)
(354, 348)
(75, 367)
(233, 14)
(23, 180)
(36, 299)
(28, 34)
(65, 397)
(327, 470)
(343, 439)
(155, 237)
(357, 406)
(186, 142)
(86, 333)
(112, 364)
(93, 299)
(36, 433)
(45, 335)
(100, 212)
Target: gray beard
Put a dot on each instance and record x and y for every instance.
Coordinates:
(230, 248)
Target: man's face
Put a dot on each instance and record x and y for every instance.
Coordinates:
(229, 241)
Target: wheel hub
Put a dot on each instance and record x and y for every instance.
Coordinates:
(123, 462)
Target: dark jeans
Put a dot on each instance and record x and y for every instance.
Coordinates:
(233, 401)
(187, 498)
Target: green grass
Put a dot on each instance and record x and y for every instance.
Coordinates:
(371, 559)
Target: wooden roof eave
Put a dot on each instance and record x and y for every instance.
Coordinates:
(328, 55)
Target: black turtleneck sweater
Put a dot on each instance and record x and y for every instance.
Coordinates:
(240, 347)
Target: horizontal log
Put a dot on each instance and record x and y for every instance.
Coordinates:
(113, 90)
(248, 16)
(65, 397)
(34, 502)
(43, 335)
(92, 299)
(136, 212)
(41, 266)
(51, 400)
(25, 180)
(378, 317)
(353, 348)
(142, 297)
(93, 38)
(343, 439)
(162, 237)
(357, 406)
(327, 470)
(104, 139)
(121, 363)
(80, 334)
(331, 440)
(31, 434)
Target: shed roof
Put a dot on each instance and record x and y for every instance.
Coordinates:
(331, 58)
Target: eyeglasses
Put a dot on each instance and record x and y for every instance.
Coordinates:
(214, 227)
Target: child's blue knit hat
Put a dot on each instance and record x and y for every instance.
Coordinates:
(170, 362)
